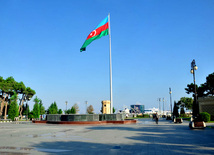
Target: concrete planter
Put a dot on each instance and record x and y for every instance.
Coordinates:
(197, 125)
(85, 117)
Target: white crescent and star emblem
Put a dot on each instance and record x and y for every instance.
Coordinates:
(93, 33)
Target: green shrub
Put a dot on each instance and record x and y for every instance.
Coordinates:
(146, 115)
(30, 115)
(205, 116)
(183, 115)
(139, 115)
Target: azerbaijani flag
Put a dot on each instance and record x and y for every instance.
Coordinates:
(98, 32)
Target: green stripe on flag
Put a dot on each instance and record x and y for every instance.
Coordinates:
(87, 42)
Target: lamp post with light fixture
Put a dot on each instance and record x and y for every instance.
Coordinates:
(66, 103)
(170, 93)
(196, 122)
(195, 103)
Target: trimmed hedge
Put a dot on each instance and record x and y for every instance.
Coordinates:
(144, 116)
(205, 116)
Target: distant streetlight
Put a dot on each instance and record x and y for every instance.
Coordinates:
(86, 102)
(170, 93)
(66, 103)
(163, 106)
(195, 105)
(159, 109)
(41, 109)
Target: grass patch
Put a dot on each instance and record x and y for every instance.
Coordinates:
(186, 118)
(136, 117)
(210, 122)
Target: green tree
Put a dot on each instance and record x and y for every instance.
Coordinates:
(90, 109)
(204, 89)
(73, 110)
(191, 88)
(182, 112)
(26, 110)
(175, 110)
(186, 102)
(41, 108)
(36, 108)
(53, 109)
(13, 110)
(68, 111)
(30, 115)
(27, 94)
(76, 107)
(59, 111)
(113, 110)
(210, 84)
(7, 89)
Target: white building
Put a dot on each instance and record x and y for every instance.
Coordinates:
(151, 111)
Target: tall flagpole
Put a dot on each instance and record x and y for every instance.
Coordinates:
(111, 98)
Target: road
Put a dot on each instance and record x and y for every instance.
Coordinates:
(145, 137)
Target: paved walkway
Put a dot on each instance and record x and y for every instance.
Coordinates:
(145, 137)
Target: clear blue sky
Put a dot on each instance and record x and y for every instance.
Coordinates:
(153, 44)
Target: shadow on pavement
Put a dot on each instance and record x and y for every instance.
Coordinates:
(149, 139)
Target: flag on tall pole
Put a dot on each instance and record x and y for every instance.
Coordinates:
(101, 30)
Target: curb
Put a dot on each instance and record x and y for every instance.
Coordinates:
(5, 121)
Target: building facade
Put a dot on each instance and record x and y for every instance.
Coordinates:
(106, 107)
(206, 104)
(137, 108)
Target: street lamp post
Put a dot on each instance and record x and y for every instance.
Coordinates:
(86, 102)
(197, 122)
(195, 104)
(170, 93)
(41, 110)
(163, 106)
(159, 110)
(66, 103)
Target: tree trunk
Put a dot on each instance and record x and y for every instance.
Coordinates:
(2, 104)
(5, 112)
(21, 106)
(1, 107)
(5, 104)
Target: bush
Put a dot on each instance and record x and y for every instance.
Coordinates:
(30, 115)
(205, 116)
(184, 115)
(146, 115)
(73, 110)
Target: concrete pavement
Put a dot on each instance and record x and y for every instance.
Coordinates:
(145, 137)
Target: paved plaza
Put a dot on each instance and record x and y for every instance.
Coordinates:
(145, 137)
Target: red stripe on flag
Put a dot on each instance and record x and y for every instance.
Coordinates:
(98, 31)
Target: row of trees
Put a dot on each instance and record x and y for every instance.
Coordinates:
(39, 109)
(205, 89)
(10, 92)
(75, 109)
(14, 94)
